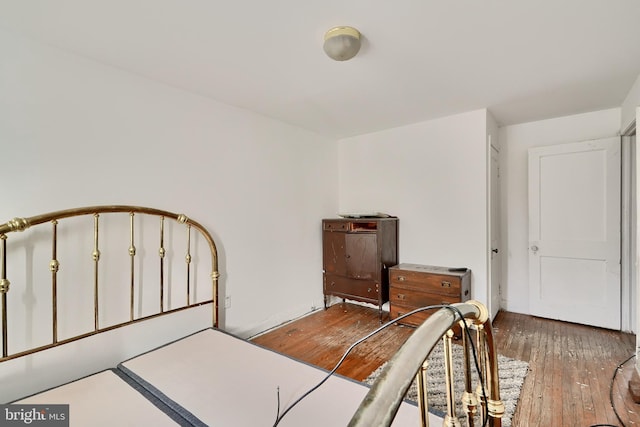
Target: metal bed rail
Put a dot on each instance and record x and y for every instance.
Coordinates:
(381, 404)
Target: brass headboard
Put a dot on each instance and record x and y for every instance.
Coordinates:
(53, 218)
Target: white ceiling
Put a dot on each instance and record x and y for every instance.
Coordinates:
(421, 59)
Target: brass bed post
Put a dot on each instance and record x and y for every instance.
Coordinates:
(495, 406)
(96, 260)
(54, 266)
(480, 392)
(4, 288)
(215, 274)
(491, 406)
(132, 255)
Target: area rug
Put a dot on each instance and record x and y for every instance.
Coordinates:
(511, 372)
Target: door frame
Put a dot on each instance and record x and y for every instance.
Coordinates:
(494, 263)
(628, 230)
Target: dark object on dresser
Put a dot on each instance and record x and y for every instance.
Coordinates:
(413, 286)
(356, 255)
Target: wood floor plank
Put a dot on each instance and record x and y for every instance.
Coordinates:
(322, 343)
(571, 366)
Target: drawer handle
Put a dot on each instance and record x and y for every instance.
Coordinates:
(401, 296)
(401, 279)
(369, 290)
(445, 284)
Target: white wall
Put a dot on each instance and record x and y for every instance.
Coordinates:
(515, 141)
(433, 177)
(74, 132)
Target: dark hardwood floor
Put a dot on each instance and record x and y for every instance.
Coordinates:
(571, 366)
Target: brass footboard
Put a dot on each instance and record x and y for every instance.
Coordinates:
(380, 405)
(56, 218)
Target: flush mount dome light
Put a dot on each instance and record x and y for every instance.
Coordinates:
(342, 43)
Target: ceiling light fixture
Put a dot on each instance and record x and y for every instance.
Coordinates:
(342, 43)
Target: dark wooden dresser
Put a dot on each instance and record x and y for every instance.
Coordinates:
(413, 286)
(356, 255)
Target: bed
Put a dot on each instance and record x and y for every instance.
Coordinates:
(144, 364)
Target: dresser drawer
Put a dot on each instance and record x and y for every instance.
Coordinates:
(396, 311)
(418, 298)
(336, 225)
(417, 319)
(426, 282)
(351, 288)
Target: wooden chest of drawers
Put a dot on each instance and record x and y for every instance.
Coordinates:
(356, 255)
(413, 286)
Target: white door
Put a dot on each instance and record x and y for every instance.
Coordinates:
(574, 232)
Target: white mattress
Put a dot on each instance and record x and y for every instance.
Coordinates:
(225, 381)
(103, 399)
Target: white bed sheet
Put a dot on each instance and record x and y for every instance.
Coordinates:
(103, 399)
(226, 381)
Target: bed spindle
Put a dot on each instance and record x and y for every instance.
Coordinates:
(215, 274)
(54, 266)
(4, 288)
(480, 393)
(469, 400)
(423, 403)
(450, 419)
(161, 252)
(96, 260)
(132, 255)
(187, 257)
